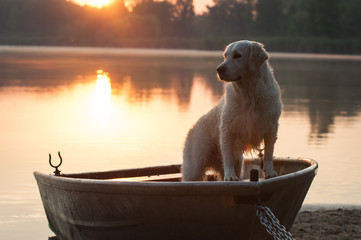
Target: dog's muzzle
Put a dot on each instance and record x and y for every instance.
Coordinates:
(221, 70)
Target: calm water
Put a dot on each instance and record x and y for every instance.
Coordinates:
(110, 109)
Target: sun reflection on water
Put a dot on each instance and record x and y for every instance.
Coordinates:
(101, 104)
(103, 91)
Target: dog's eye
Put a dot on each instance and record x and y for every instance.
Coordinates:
(237, 55)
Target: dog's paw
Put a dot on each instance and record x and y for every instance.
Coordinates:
(231, 178)
(270, 174)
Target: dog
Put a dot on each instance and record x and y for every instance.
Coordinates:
(245, 119)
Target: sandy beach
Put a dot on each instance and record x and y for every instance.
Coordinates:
(340, 224)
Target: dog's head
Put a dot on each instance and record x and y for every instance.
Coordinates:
(240, 59)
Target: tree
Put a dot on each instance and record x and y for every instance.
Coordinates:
(296, 17)
(350, 18)
(270, 17)
(183, 16)
(323, 17)
(36, 18)
(230, 17)
(162, 11)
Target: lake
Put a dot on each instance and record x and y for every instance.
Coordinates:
(107, 109)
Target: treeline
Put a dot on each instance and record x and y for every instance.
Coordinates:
(283, 25)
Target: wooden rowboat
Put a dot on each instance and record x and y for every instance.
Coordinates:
(152, 203)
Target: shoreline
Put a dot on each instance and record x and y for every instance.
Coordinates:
(163, 52)
(328, 207)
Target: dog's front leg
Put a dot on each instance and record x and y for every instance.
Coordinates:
(228, 158)
(269, 142)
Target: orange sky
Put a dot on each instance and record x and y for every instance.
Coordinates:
(199, 5)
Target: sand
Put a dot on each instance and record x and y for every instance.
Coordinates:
(340, 224)
(337, 224)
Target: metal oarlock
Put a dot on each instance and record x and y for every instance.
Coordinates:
(57, 171)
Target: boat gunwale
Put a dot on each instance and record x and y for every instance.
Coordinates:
(179, 188)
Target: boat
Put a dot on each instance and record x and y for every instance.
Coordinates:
(153, 202)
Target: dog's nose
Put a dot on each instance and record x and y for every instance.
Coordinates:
(221, 69)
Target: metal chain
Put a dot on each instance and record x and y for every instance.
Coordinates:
(272, 224)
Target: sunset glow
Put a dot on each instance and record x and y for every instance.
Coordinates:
(199, 6)
(93, 3)
(129, 4)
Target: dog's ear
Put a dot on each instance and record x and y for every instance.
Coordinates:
(257, 56)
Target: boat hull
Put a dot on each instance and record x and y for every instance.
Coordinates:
(81, 208)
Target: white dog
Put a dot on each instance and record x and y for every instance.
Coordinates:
(244, 118)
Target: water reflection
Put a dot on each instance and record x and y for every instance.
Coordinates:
(106, 112)
(103, 88)
(321, 89)
(103, 91)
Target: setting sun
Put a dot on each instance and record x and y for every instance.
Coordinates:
(93, 3)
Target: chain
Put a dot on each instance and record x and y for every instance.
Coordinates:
(272, 224)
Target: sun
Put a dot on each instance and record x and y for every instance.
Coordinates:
(93, 3)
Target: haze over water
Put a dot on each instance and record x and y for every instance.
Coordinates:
(107, 109)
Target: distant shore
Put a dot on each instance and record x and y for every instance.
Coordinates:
(162, 52)
(272, 44)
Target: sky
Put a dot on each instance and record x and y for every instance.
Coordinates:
(199, 5)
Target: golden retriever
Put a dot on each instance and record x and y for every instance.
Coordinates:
(245, 118)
